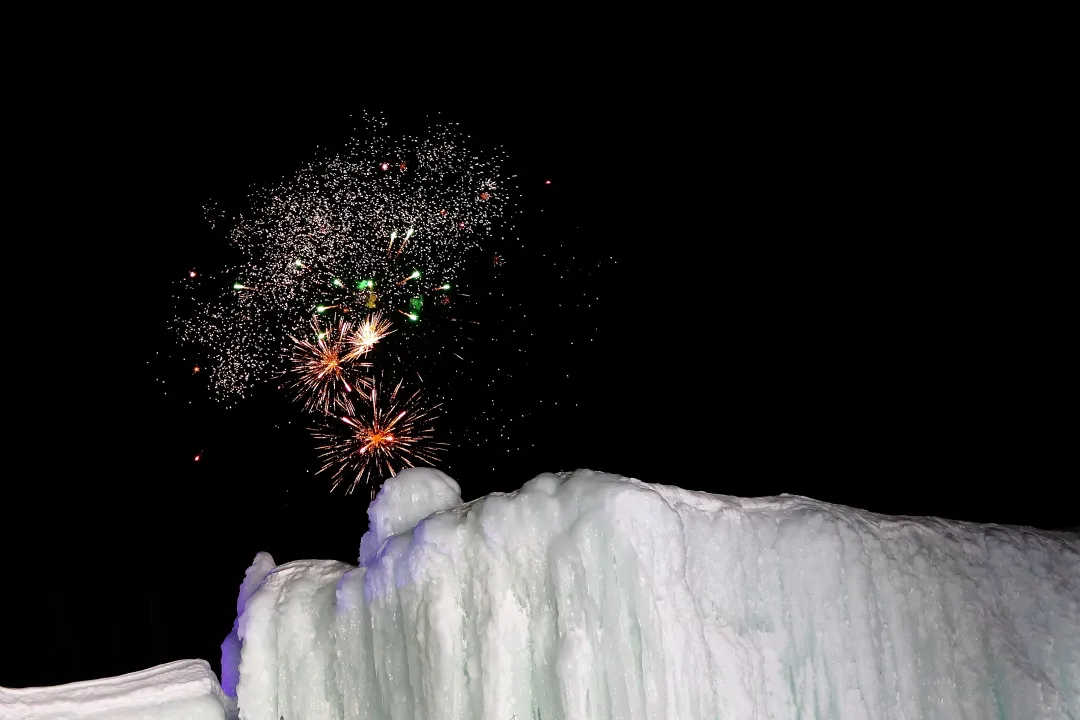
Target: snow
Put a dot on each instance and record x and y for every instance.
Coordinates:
(594, 596)
(184, 690)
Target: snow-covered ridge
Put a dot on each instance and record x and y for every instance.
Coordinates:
(594, 596)
(183, 690)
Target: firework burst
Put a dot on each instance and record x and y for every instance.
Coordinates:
(323, 371)
(386, 435)
(374, 227)
(369, 331)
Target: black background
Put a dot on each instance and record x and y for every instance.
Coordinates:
(787, 297)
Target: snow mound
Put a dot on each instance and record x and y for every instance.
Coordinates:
(593, 596)
(183, 690)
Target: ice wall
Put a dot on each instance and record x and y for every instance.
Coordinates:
(183, 690)
(594, 596)
(230, 649)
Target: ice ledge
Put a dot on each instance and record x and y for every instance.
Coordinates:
(181, 690)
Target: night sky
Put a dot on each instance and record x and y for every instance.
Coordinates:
(750, 304)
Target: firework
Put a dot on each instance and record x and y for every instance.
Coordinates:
(341, 235)
(386, 435)
(369, 331)
(323, 368)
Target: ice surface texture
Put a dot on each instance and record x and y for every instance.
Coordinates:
(594, 596)
(184, 690)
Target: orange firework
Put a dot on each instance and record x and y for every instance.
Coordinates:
(369, 331)
(385, 436)
(324, 372)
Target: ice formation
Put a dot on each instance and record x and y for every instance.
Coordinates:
(230, 649)
(184, 690)
(593, 596)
